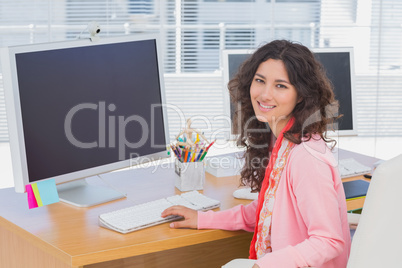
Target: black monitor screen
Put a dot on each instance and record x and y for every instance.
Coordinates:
(83, 107)
(337, 66)
(234, 62)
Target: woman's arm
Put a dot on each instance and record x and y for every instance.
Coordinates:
(237, 218)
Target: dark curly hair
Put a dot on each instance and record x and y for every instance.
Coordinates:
(313, 114)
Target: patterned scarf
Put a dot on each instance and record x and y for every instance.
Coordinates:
(269, 186)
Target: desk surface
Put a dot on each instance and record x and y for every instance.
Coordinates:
(73, 236)
(364, 159)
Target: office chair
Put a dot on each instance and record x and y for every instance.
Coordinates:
(239, 263)
(378, 237)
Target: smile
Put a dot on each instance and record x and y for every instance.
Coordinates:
(266, 106)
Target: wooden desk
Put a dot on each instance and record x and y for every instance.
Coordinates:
(61, 235)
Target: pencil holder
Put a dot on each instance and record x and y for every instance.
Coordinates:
(190, 176)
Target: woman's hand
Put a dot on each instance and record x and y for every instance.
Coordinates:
(190, 217)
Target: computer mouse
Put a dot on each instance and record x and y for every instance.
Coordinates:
(245, 193)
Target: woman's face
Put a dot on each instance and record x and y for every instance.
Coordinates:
(272, 96)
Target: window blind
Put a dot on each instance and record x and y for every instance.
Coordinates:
(195, 31)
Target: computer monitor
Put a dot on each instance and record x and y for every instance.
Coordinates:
(79, 108)
(339, 65)
(231, 61)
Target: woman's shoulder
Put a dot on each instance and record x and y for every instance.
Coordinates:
(310, 158)
(313, 148)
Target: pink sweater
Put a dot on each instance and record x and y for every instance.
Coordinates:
(309, 221)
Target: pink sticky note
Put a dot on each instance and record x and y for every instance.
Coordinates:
(31, 197)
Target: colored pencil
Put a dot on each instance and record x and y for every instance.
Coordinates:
(176, 151)
(189, 155)
(203, 155)
(206, 151)
(186, 154)
(199, 155)
(210, 145)
(194, 153)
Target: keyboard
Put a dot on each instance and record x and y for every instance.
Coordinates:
(148, 214)
(350, 167)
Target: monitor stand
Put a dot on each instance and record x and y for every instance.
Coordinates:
(81, 194)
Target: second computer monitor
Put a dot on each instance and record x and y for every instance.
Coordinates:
(339, 65)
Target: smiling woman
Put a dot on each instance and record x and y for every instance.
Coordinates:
(299, 219)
